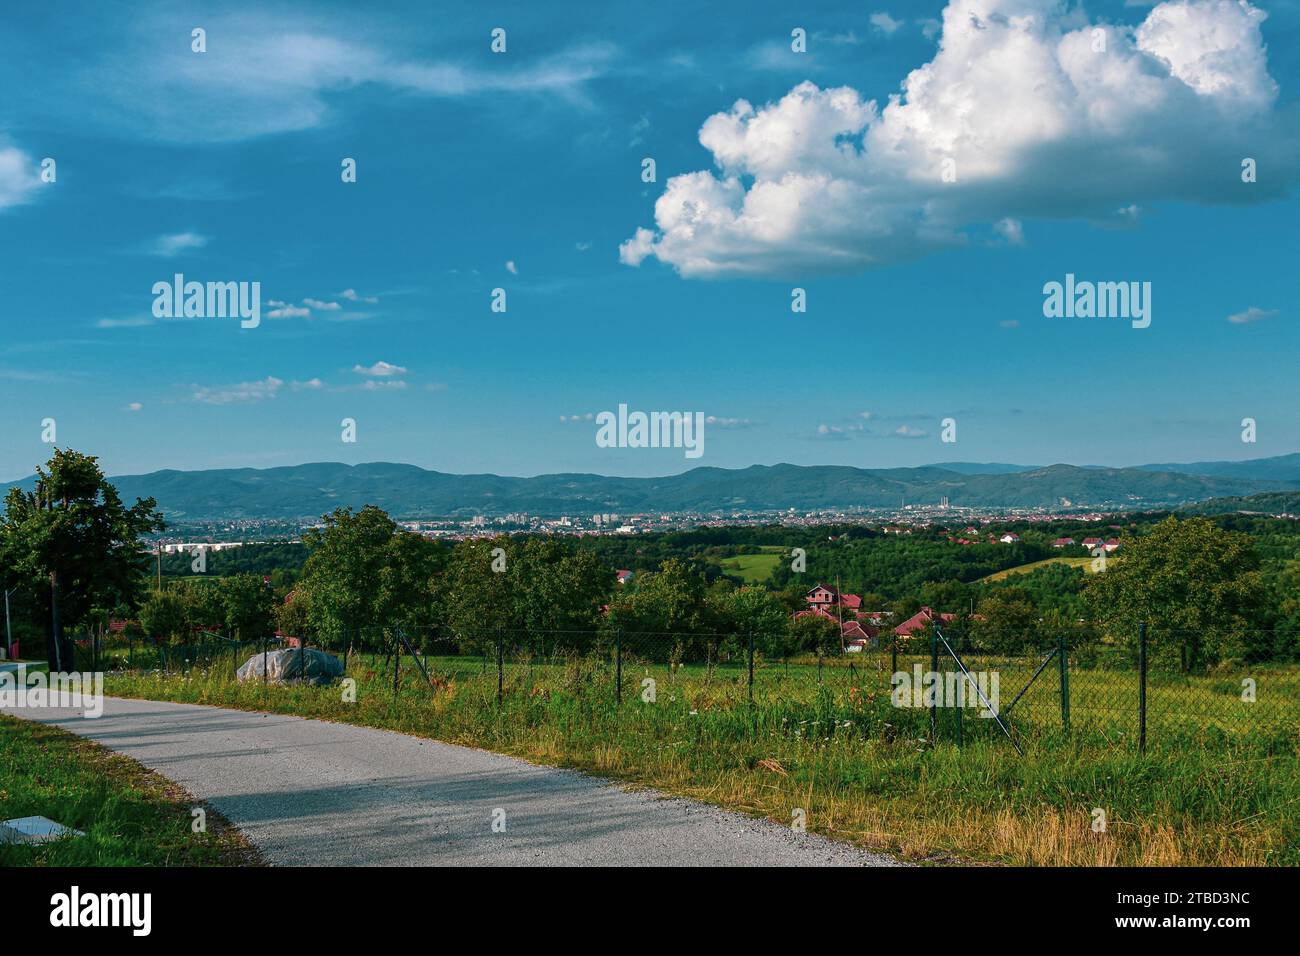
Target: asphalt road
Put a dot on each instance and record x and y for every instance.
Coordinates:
(309, 792)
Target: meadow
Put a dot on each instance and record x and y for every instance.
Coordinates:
(1217, 785)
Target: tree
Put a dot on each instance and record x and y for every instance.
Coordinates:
(1007, 622)
(163, 616)
(1197, 587)
(343, 571)
(73, 545)
(666, 606)
(249, 607)
(757, 611)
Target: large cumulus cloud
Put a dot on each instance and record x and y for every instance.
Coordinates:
(1019, 100)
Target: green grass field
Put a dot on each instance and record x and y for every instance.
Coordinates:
(1217, 786)
(754, 568)
(1084, 562)
(130, 816)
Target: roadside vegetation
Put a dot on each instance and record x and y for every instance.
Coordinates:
(130, 816)
(1219, 783)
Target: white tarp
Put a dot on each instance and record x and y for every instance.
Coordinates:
(293, 666)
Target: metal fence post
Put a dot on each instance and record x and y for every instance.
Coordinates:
(265, 677)
(501, 674)
(618, 665)
(1142, 687)
(893, 656)
(1062, 654)
(751, 667)
(934, 677)
(960, 702)
(397, 663)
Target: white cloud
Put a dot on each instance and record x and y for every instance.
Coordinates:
(18, 177)
(1012, 230)
(257, 391)
(320, 306)
(1036, 123)
(375, 385)
(132, 322)
(886, 24)
(511, 267)
(1252, 314)
(380, 369)
(351, 296)
(177, 243)
(134, 407)
(908, 431)
(288, 312)
(266, 73)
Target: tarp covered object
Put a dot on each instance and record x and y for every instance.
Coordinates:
(293, 667)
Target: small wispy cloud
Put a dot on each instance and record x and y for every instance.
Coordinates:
(130, 322)
(1252, 314)
(380, 369)
(320, 306)
(886, 24)
(240, 392)
(177, 243)
(511, 267)
(352, 296)
(909, 431)
(1011, 230)
(134, 407)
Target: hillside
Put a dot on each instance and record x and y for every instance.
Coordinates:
(310, 490)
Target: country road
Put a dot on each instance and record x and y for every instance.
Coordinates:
(309, 792)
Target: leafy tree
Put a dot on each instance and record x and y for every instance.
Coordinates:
(1197, 586)
(667, 605)
(755, 610)
(249, 607)
(1006, 622)
(73, 545)
(343, 571)
(164, 617)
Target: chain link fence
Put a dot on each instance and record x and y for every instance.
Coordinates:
(957, 687)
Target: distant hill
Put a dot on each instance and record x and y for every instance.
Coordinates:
(984, 468)
(1279, 468)
(309, 490)
(1269, 503)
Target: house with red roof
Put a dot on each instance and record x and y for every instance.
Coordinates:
(922, 621)
(1063, 543)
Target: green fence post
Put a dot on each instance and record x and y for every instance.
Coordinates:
(751, 665)
(501, 674)
(1142, 687)
(618, 665)
(960, 702)
(1062, 654)
(934, 676)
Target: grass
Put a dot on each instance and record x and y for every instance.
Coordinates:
(1207, 792)
(1084, 562)
(130, 815)
(754, 568)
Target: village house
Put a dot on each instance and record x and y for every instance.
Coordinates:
(1063, 543)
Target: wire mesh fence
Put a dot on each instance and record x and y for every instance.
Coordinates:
(958, 687)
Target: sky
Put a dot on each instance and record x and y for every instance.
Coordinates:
(920, 170)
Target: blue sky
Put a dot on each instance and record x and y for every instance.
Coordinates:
(522, 170)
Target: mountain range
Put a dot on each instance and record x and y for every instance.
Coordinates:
(408, 491)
